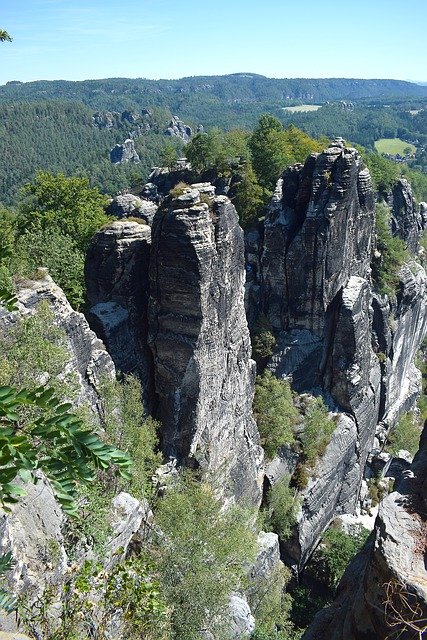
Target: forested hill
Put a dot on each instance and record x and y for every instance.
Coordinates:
(120, 93)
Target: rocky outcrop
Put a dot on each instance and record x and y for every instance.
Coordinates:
(88, 359)
(116, 270)
(128, 205)
(204, 376)
(32, 532)
(124, 152)
(320, 226)
(399, 327)
(406, 219)
(390, 569)
(179, 129)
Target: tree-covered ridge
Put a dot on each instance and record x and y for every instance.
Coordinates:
(60, 136)
(247, 87)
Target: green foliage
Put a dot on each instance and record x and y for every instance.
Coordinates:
(168, 156)
(404, 434)
(274, 412)
(305, 604)
(201, 557)
(274, 148)
(282, 508)
(56, 442)
(66, 205)
(385, 267)
(59, 253)
(318, 429)
(33, 347)
(270, 605)
(263, 341)
(384, 173)
(335, 551)
(126, 426)
(7, 599)
(133, 590)
(249, 197)
(4, 36)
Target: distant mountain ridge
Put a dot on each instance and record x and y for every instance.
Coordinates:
(241, 87)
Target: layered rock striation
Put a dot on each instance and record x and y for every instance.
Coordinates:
(204, 376)
(116, 270)
(383, 592)
(336, 336)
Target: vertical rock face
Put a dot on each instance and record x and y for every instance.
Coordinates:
(406, 220)
(393, 563)
(88, 358)
(317, 296)
(320, 226)
(204, 376)
(116, 271)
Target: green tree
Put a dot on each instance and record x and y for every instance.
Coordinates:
(271, 151)
(318, 429)
(248, 198)
(392, 253)
(168, 156)
(201, 556)
(66, 205)
(335, 551)
(274, 412)
(207, 151)
(282, 508)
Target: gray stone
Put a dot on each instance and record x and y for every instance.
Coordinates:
(393, 559)
(116, 270)
(129, 205)
(204, 376)
(179, 129)
(88, 358)
(124, 152)
(406, 216)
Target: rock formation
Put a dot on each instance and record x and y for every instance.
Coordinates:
(406, 219)
(124, 152)
(128, 205)
(116, 270)
(390, 569)
(334, 336)
(88, 359)
(179, 129)
(204, 376)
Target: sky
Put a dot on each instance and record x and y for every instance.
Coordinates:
(87, 39)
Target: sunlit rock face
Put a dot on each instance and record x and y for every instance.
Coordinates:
(204, 375)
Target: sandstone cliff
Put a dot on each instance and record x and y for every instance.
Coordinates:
(204, 377)
(335, 337)
(116, 270)
(383, 591)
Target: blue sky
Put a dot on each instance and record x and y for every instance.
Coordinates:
(78, 39)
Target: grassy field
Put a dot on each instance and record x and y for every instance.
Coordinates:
(303, 107)
(393, 146)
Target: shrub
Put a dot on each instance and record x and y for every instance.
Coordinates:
(335, 551)
(318, 429)
(282, 506)
(263, 341)
(385, 267)
(405, 434)
(201, 556)
(179, 189)
(274, 412)
(128, 427)
(300, 477)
